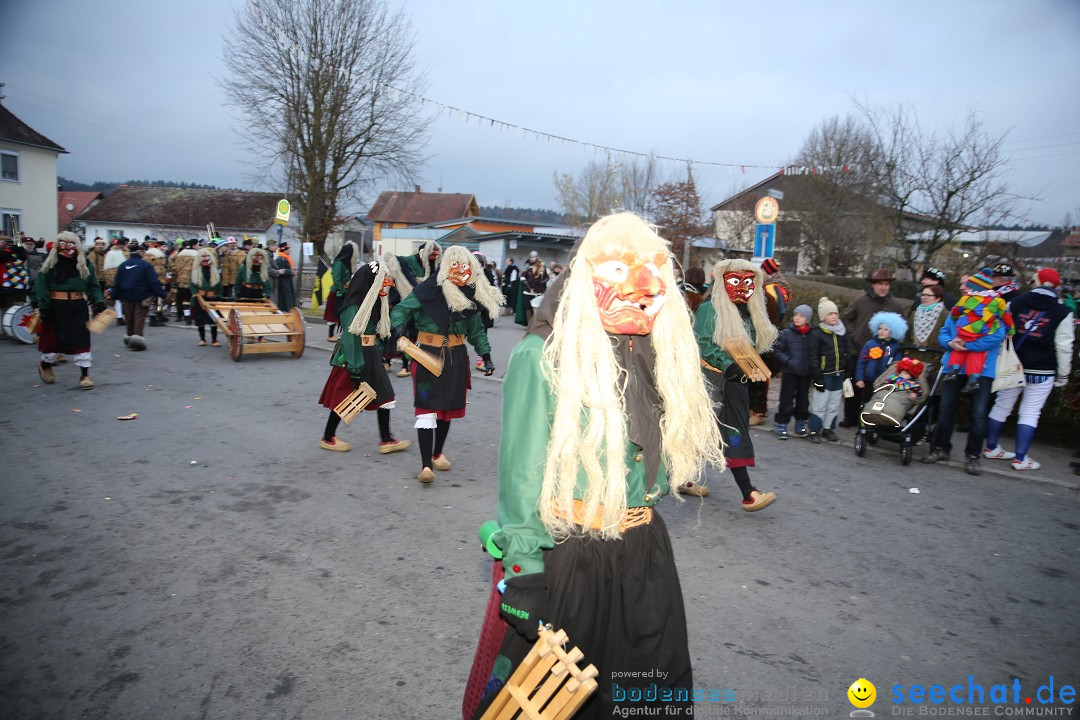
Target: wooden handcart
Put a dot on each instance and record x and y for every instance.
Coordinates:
(257, 326)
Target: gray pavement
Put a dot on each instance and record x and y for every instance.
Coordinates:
(208, 560)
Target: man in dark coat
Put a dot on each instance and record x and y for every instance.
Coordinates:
(286, 293)
(856, 317)
(135, 283)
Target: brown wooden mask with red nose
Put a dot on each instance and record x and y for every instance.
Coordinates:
(740, 286)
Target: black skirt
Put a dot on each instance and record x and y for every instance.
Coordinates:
(733, 414)
(66, 332)
(620, 602)
(448, 391)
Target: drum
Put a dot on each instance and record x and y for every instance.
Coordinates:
(16, 319)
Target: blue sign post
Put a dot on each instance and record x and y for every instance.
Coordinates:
(764, 240)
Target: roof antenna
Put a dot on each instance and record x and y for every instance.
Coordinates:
(2, 95)
(440, 172)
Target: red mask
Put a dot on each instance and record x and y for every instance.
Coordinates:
(205, 261)
(433, 255)
(460, 273)
(387, 283)
(740, 286)
(66, 249)
(256, 260)
(629, 292)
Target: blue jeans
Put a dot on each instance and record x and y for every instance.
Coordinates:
(980, 411)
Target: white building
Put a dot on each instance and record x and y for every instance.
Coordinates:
(27, 179)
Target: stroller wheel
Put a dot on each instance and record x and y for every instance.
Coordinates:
(873, 437)
(860, 444)
(905, 454)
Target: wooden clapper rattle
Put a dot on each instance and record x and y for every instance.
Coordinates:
(745, 356)
(102, 321)
(547, 685)
(432, 362)
(356, 401)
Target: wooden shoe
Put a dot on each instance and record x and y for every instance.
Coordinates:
(692, 488)
(86, 383)
(441, 462)
(403, 372)
(335, 445)
(215, 344)
(393, 446)
(202, 343)
(426, 475)
(758, 500)
(45, 372)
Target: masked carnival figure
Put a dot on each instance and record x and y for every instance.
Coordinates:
(736, 311)
(604, 412)
(357, 357)
(446, 311)
(341, 271)
(423, 264)
(64, 289)
(253, 277)
(205, 283)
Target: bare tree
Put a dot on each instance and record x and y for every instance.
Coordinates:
(596, 191)
(679, 214)
(638, 178)
(326, 93)
(953, 179)
(839, 221)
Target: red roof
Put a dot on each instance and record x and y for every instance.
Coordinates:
(417, 207)
(78, 201)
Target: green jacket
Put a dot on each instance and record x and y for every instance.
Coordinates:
(704, 325)
(341, 278)
(44, 284)
(349, 353)
(201, 285)
(241, 280)
(528, 409)
(411, 308)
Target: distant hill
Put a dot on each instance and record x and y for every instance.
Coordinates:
(542, 217)
(106, 187)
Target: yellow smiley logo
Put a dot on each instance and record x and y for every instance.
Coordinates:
(862, 693)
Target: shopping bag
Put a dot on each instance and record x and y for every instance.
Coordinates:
(1008, 373)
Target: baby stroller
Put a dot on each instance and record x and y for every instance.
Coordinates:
(884, 417)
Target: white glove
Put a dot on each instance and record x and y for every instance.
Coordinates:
(1061, 382)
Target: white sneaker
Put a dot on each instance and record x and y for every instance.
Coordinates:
(1025, 464)
(998, 454)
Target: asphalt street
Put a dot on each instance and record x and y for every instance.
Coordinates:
(208, 560)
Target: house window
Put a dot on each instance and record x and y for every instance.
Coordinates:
(9, 166)
(12, 222)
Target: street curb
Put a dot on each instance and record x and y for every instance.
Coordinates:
(891, 450)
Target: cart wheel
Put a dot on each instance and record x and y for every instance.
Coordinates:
(298, 338)
(905, 454)
(236, 336)
(873, 437)
(860, 444)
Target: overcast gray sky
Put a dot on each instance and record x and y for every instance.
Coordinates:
(127, 86)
